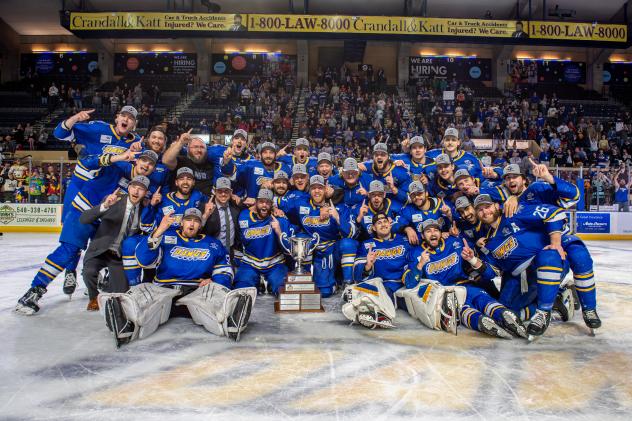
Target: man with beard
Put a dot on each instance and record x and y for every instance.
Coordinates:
(377, 203)
(115, 173)
(90, 139)
(196, 159)
(353, 183)
(300, 191)
(280, 186)
(335, 227)
(253, 174)
(420, 166)
(443, 185)
(420, 208)
(223, 215)
(396, 179)
(261, 245)
(300, 155)
(156, 140)
(471, 187)
(185, 196)
(450, 262)
(461, 159)
(188, 264)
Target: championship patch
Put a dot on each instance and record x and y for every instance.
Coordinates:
(418, 218)
(167, 210)
(368, 219)
(105, 139)
(369, 245)
(303, 210)
(170, 239)
(258, 171)
(243, 224)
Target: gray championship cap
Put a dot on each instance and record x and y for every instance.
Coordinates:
(461, 173)
(265, 194)
(324, 156)
(316, 179)
(185, 171)
(280, 175)
(151, 155)
(443, 159)
(241, 133)
(430, 223)
(416, 187)
(462, 202)
(141, 180)
(376, 186)
(350, 164)
(129, 110)
(380, 147)
(511, 169)
(192, 213)
(223, 183)
(483, 199)
(451, 131)
(267, 145)
(299, 169)
(417, 140)
(301, 141)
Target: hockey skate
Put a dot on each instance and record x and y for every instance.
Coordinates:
(70, 283)
(370, 317)
(27, 305)
(487, 325)
(592, 320)
(117, 322)
(538, 324)
(450, 313)
(565, 304)
(513, 324)
(239, 317)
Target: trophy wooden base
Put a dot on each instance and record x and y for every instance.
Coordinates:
(298, 297)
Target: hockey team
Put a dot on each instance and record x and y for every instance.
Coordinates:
(426, 230)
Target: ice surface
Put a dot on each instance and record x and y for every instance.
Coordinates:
(62, 364)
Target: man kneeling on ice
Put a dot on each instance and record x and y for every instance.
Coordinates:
(189, 265)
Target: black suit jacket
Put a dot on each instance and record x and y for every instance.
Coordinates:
(110, 226)
(214, 225)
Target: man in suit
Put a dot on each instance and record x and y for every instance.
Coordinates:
(120, 218)
(223, 216)
(519, 32)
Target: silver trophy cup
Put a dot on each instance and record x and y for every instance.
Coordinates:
(300, 250)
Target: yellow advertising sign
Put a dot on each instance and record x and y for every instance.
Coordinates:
(121, 21)
(578, 31)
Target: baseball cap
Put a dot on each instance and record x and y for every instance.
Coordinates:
(512, 169)
(265, 194)
(280, 175)
(462, 202)
(301, 141)
(461, 173)
(141, 180)
(378, 216)
(241, 132)
(451, 131)
(417, 140)
(380, 147)
(376, 186)
(151, 155)
(184, 171)
(350, 164)
(324, 156)
(223, 183)
(443, 159)
(129, 110)
(316, 179)
(430, 223)
(192, 213)
(266, 145)
(416, 187)
(483, 199)
(299, 169)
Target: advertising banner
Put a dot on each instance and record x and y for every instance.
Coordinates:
(155, 63)
(51, 63)
(593, 223)
(27, 216)
(462, 69)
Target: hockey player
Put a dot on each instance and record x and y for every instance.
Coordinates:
(376, 203)
(261, 234)
(353, 183)
(74, 235)
(280, 186)
(185, 196)
(93, 138)
(300, 155)
(396, 179)
(300, 191)
(529, 247)
(325, 166)
(418, 164)
(334, 226)
(461, 159)
(452, 262)
(419, 208)
(191, 265)
(443, 185)
(471, 187)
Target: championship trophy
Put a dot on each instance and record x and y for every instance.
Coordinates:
(299, 294)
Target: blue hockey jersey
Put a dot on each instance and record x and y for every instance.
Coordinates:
(428, 168)
(351, 196)
(390, 207)
(289, 161)
(262, 249)
(412, 216)
(393, 255)
(251, 174)
(462, 160)
(562, 193)
(401, 179)
(173, 204)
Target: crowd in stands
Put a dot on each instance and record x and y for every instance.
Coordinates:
(40, 184)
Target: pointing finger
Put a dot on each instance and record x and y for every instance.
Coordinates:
(89, 111)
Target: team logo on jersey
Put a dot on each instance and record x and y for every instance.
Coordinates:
(505, 249)
(314, 221)
(530, 196)
(390, 253)
(303, 210)
(258, 171)
(243, 224)
(113, 149)
(182, 253)
(506, 231)
(259, 232)
(469, 233)
(442, 265)
(468, 164)
(418, 218)
(105, 139)
(170, 239)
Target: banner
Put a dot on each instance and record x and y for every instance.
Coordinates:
(29, 215)
(547, 71)
(147, 21)
(155, 64)
(617, 73)
(592, 223)
(249, 64)
(461, 69)
(578, 31)
(50, 63)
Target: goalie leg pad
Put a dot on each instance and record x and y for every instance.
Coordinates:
(370, 304)
(425, 301)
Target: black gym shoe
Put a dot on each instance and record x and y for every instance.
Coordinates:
(487, 325)
(117, 322)
(539, 323)
(513, 324)
(591, 318)
(238, 319)
(70, 282)
(27, 305)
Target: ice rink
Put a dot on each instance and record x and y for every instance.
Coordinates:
(62, 363)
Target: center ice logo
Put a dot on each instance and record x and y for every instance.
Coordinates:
(7, 214)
